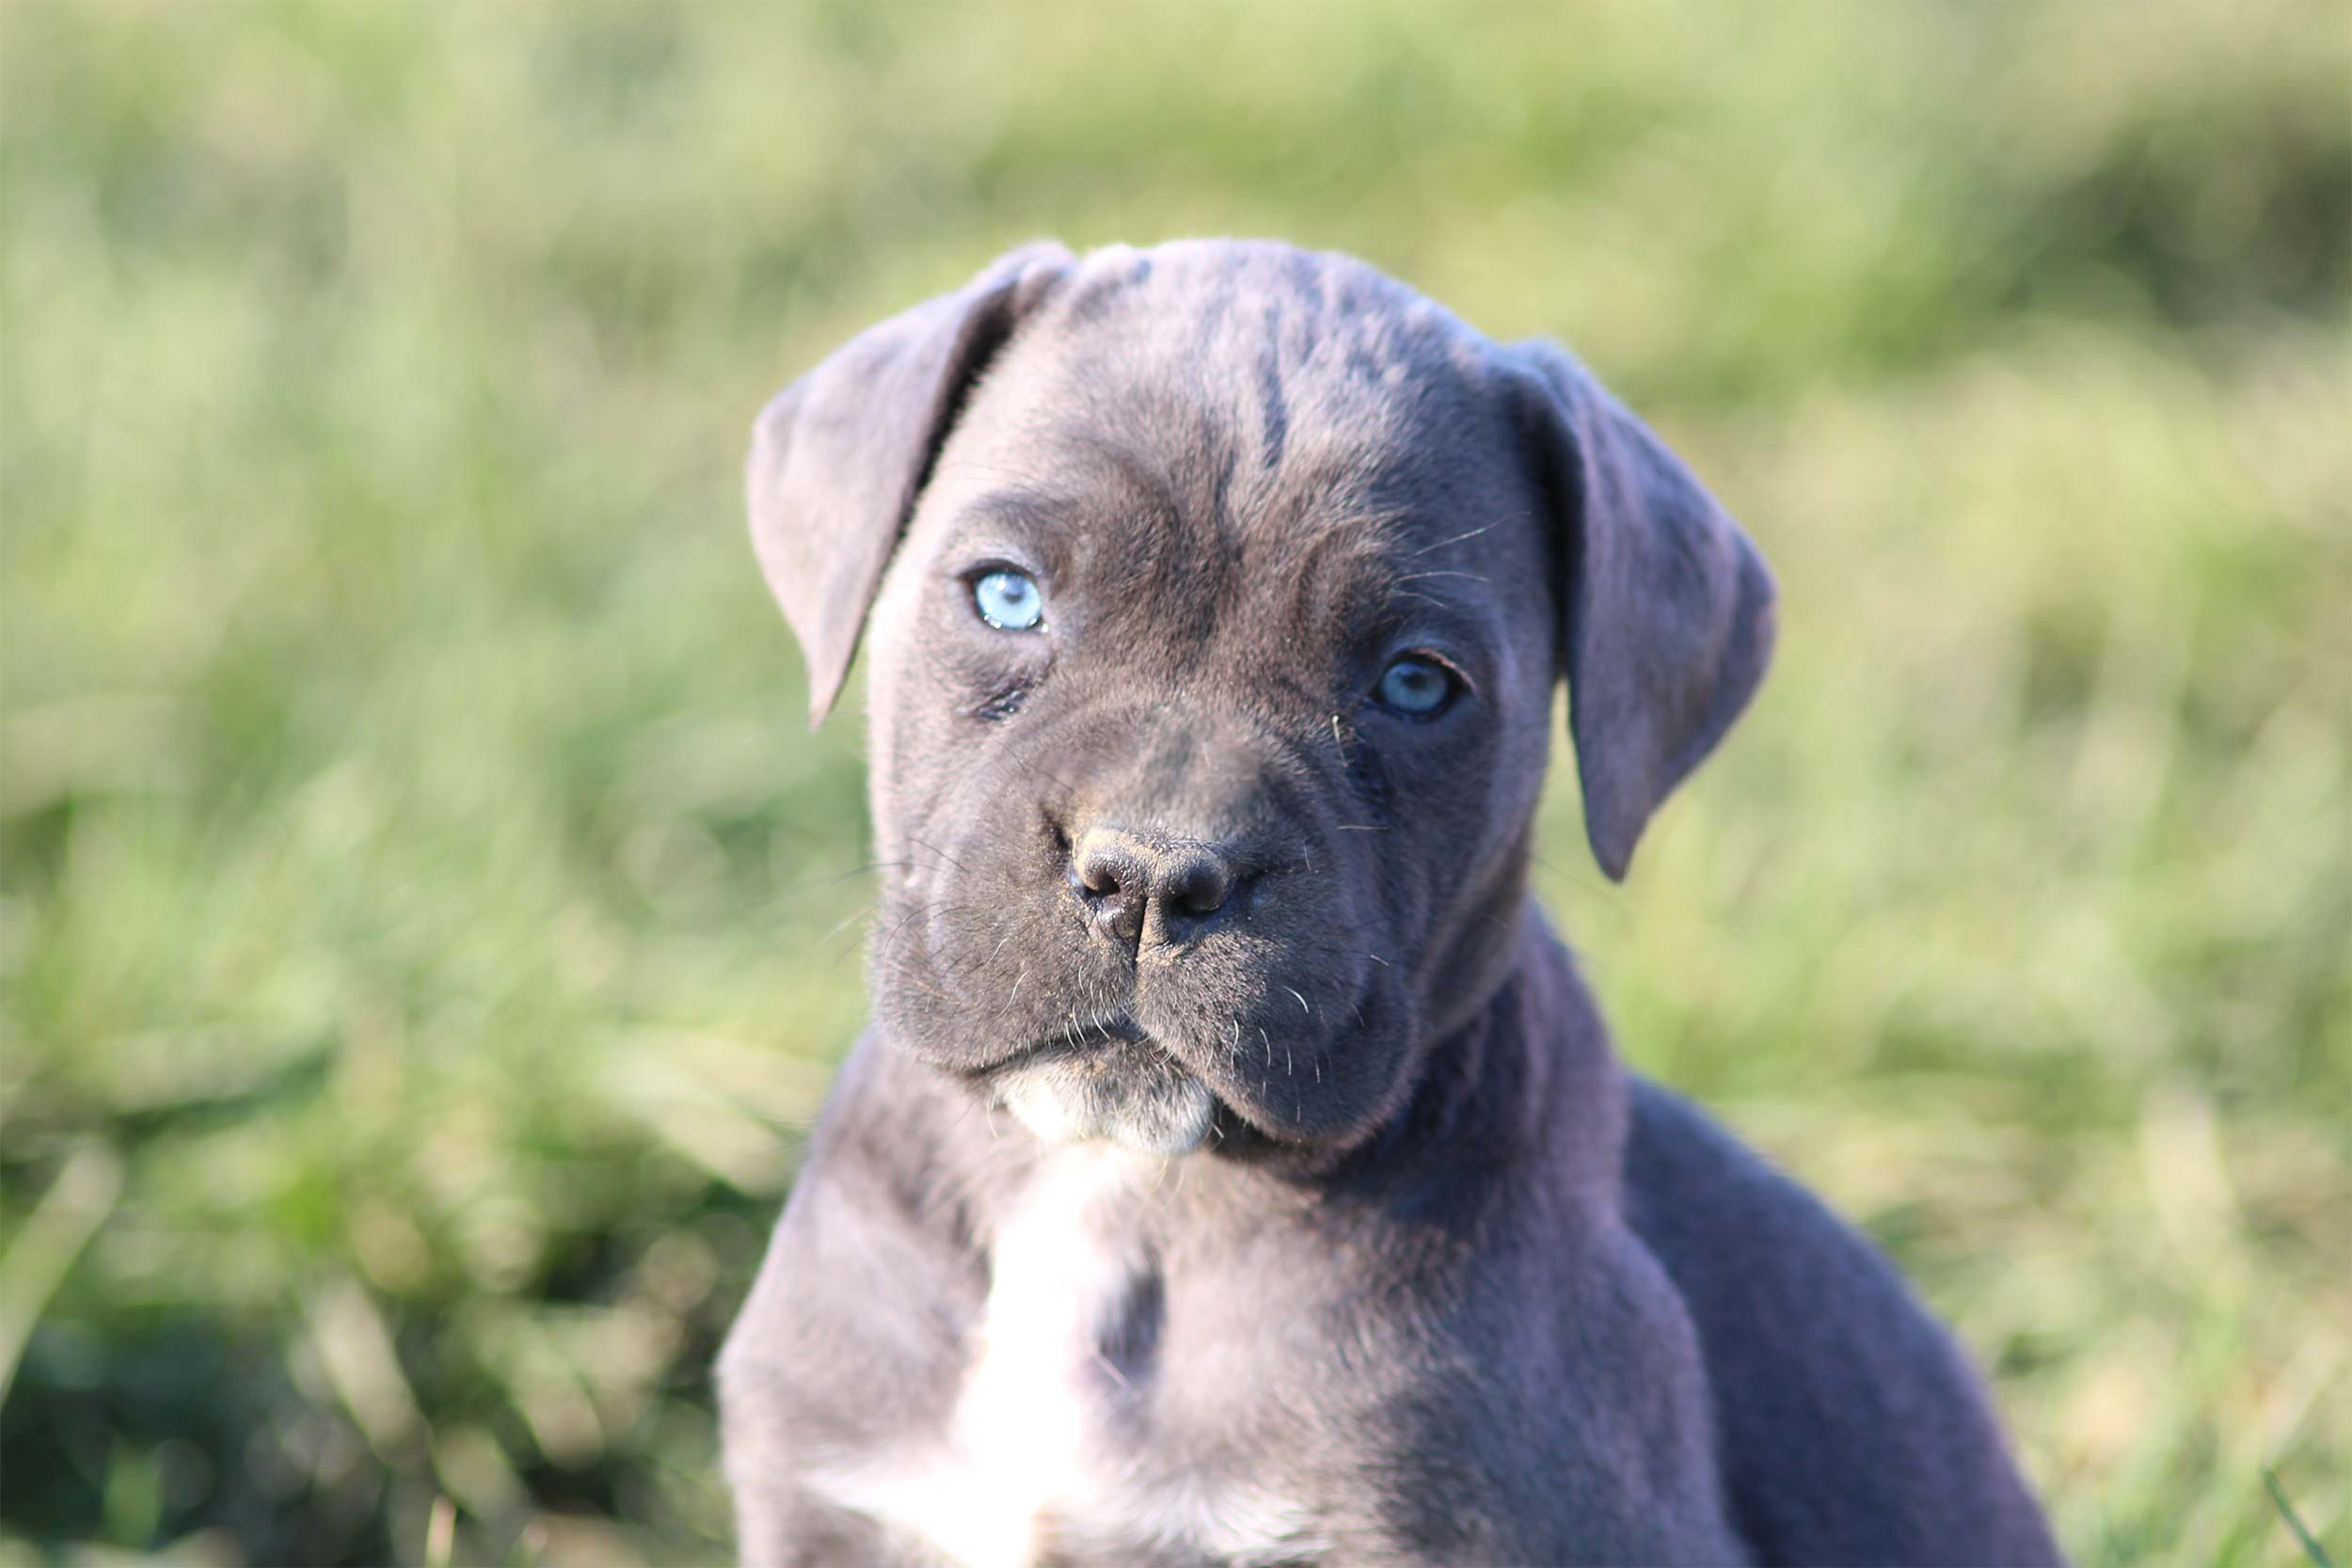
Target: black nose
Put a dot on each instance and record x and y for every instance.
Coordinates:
(1132, 885)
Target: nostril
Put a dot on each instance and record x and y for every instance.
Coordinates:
(1201, 886)
(1108, 878)
(1098, 875)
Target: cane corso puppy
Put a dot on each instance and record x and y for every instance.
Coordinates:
(1237, 1170)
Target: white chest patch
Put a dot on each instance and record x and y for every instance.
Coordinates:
(1027, 1460)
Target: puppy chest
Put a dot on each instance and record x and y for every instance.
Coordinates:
(1048, 1448)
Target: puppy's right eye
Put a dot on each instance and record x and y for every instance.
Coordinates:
(1008, 600)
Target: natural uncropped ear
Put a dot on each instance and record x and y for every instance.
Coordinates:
(1665, 606)
(839, 457)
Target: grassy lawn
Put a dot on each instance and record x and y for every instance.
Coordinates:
(427, 928)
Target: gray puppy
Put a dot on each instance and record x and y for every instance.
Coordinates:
(1237, 1170)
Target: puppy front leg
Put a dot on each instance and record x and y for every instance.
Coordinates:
(778, 1522)
(785, 1527)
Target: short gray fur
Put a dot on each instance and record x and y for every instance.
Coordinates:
(1431, 1268)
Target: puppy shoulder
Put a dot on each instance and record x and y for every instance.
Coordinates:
(1765, 1267)
(1852, 1427)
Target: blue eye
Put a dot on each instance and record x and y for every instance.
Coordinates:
(1416, 687)
(1008, 600)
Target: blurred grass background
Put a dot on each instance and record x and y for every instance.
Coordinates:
(428, 927)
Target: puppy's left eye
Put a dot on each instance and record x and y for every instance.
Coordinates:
(1415, 686)
(1008, 600)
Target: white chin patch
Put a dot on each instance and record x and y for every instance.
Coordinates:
(1066, 1101)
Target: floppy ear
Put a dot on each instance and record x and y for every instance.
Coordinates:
(839, 457)
(1665, 606)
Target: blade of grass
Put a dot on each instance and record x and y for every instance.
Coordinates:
(2312, 1547)
(68, 1214)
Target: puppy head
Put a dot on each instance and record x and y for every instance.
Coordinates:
(1217, 597)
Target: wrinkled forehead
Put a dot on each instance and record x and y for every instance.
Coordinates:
(1279, 421)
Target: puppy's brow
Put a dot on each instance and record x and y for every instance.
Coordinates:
(1025, 510)
(1108, 467)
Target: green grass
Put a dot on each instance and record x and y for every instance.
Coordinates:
(428, 929)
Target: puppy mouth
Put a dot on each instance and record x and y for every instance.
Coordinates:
(1109, 1081)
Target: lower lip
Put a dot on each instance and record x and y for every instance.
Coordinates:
(1121, 1030)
